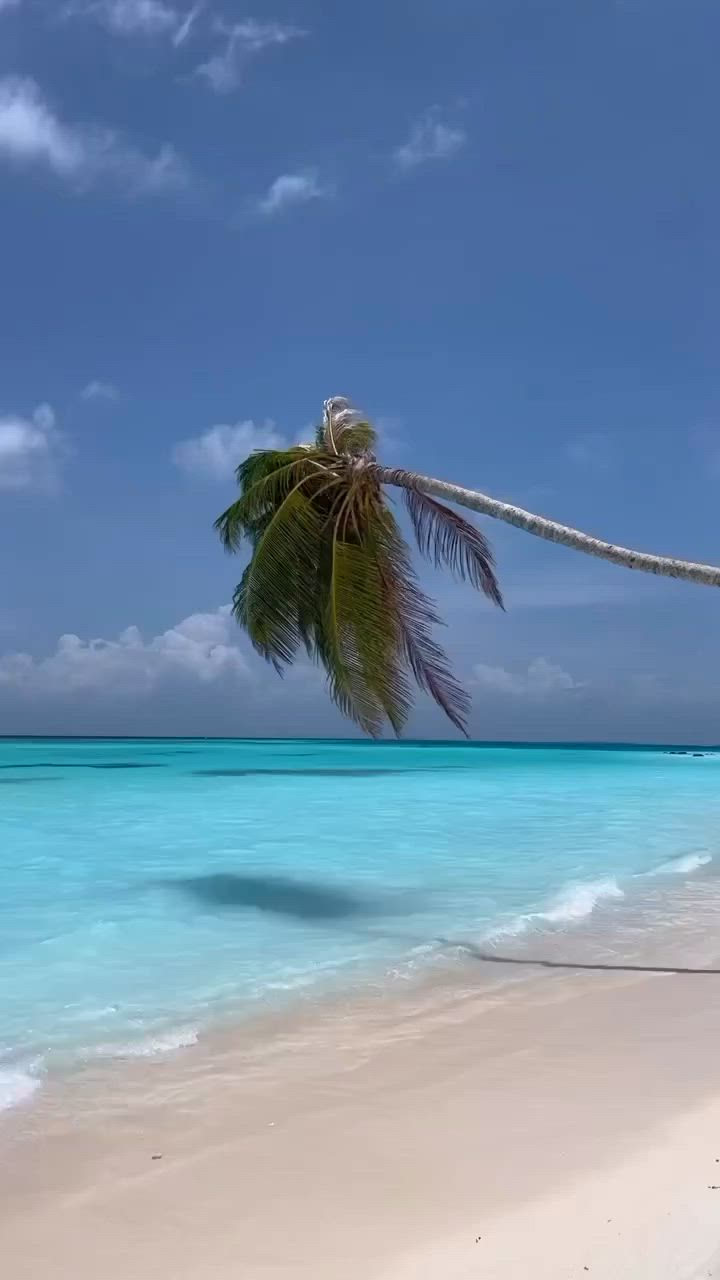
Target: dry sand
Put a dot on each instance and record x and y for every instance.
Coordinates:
(564, 1127)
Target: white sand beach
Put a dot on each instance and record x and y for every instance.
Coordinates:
(562, 1127)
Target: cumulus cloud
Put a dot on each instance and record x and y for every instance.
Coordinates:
(201, 648)
(291, 189)
(217, 452)
(96, 390)
(542, 679)
(243, 41)
(31, 133)
(30, 451)
(430, 139)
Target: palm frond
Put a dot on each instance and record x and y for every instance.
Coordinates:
(447, 538)
(347, 683)
(362, 634)
(344, 430)
(265, 479)
(283, 570)
(429, 662)
(416, 616)
(358, 438)
(330, 571)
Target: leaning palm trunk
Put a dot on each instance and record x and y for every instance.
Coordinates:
(550, 530)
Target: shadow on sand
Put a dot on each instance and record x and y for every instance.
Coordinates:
(491, 957)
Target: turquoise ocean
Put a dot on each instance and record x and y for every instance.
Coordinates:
(150, 889)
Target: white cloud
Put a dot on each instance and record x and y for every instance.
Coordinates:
(30, 451)
(127, 17)
(31, 133)
(430, 139)
(138, 17)
(217, 452)
(99, 391)
(200, 647)
(291, 189)
(541, 680)
(243, 41)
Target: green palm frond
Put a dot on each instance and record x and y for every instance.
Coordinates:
(265, 479)
(361, 629)
(330, 572)
(284, 569)
(416, 616)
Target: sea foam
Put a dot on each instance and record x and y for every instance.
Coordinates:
(152, 1046)
(16, 1086)
(682, 865)
(573, 902)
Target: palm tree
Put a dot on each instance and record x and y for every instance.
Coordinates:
(330, 571)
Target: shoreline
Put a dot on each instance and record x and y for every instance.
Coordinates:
(377, 1140)
(583, 925)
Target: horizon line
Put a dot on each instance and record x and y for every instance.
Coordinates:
(590, 743)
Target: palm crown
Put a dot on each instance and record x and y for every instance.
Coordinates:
(330, 571)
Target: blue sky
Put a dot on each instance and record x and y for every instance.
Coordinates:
(492, 224)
